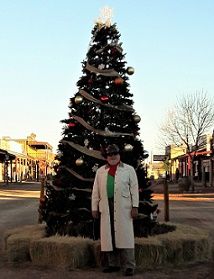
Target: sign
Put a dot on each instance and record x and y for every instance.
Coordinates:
(159, 157)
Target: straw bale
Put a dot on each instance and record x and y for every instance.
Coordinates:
(17, 242)
(203, 249)
(99, 257)
(62, 251)
(184, 245)
(149, 255)
(37, 230)
(173, 251)
(18, 249)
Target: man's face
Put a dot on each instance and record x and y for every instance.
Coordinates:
(113, 158)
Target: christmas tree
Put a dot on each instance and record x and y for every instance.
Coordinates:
(101, 113)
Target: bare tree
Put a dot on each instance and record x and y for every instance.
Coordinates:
(191, 117)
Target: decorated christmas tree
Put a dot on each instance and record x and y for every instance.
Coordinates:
(100, 113)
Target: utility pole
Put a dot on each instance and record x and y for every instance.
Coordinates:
(166, 189)
(166, 199)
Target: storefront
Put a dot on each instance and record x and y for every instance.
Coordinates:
(6, 163)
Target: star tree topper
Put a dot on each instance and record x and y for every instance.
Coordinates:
(105, 17)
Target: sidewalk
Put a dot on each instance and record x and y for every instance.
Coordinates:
(173, 188)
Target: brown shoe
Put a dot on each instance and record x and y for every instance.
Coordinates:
(129, 272)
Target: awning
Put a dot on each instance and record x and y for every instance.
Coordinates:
(5, 155)
(17, 155)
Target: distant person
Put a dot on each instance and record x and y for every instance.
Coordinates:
(115, 198)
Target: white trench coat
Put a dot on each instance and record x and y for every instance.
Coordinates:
(126, 196)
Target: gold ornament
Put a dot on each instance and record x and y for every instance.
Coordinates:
(78, 99)
(79, 162)
(136, 118)
(130, 70)
(128, 147)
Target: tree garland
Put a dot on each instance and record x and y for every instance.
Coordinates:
(91, 98)
(104, 72)
(83, 149)
(100, 132)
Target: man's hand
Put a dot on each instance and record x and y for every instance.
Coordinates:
(134, 212)
(95, 214)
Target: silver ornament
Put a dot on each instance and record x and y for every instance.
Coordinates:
(136, 118)
(101, 66)
(128, 147)
(130, 70)
(95, 167)
(86, 142)
(79, 162)
(78, 99)
(59, 154)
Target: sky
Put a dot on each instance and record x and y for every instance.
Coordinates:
(170, 44)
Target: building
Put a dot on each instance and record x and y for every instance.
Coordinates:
(29, 159)
(173, 153)
(156, 170)
(203, 161)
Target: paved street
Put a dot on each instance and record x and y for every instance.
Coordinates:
(191, 209)
(19, 205)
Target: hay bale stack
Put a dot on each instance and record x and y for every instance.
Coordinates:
(62, 251)
(184, 245)
(17, 242)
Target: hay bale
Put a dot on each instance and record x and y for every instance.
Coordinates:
(149, 253)
(18, 249)
(203, 249)
(189, 248)
(99, 257)
(17, 242)
(62, 251)
(184, 245)
(37, 230)
(174, 252)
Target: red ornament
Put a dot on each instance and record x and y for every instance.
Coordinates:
(118, 81)
(57, 182)
(71, 124)
(42, 200)
(90, 81)
(104, 98)
(113, 50)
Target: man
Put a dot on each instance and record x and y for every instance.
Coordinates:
(115, 198)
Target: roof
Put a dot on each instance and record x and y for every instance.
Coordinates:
(39, 144)
(4, 154)
(197, 153)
